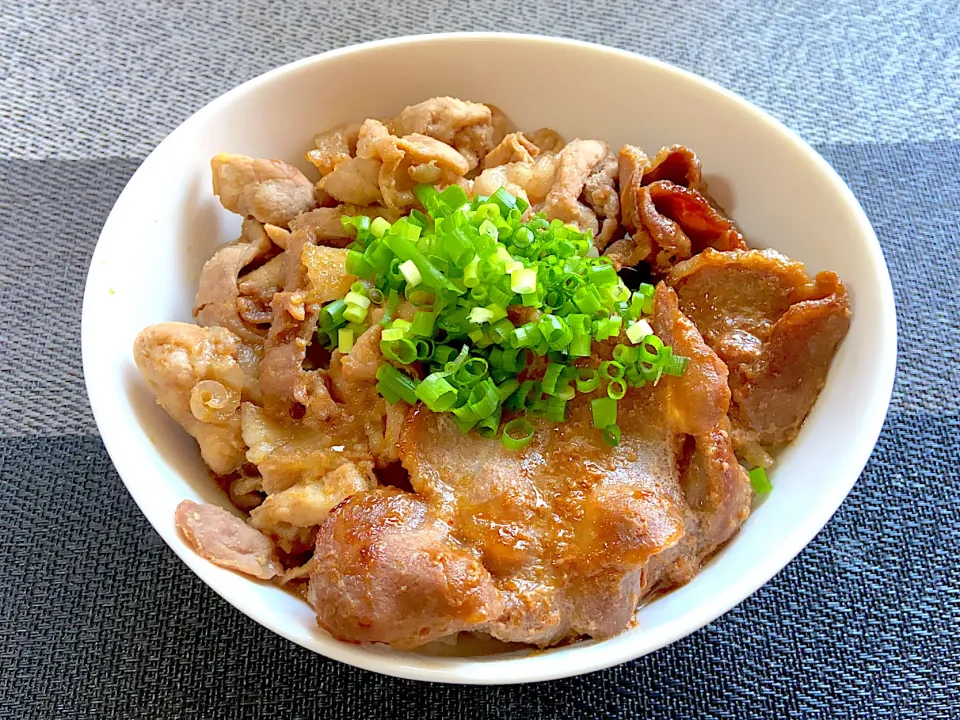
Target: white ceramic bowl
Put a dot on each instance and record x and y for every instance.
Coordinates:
(167, 223)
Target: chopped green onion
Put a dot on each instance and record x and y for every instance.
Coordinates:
(604, 411)
(602, 275)
(423, 323)
(625, 355)
(490, 425)
(437, 394)
(355, 313)
(332, 314)
(638, 330)
(523, 280)
(379, 227)
(588, 380)
(551, 377)
(759, 480)
(400, 385)
(611, 370)
(410, 273)
(402, 351)
(355, 298)
(556, 409)
(648, 356)
(517, 434)
(616, 389)
(344, 340)
(587, 298)
(608, 327)
(424, 348)
(611, 434)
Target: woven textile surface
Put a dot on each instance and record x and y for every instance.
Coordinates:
(98, 618)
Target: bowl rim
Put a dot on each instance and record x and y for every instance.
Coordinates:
(590, 657)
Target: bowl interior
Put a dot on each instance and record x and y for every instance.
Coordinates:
(167, 223)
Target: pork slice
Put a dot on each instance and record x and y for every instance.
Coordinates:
(632, 164)
(323, 225)
(600, 193)
(775, 328)
(226, 540)
(307, 504)
(578, 160)
(547, 140)
(196, 376)
(215, 303)
(270, 190)
(677, 164)
(354, 181)
(680, 223)
(513, 148)
(386, 569)
(289, 391)
(465, 126)
(288, 454)
(333, 147)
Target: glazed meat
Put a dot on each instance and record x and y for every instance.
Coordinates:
(217, 301)
(269, 190)
(308, 388)
(567, 528)
(775, 328)
(386, 569)
(196, 377)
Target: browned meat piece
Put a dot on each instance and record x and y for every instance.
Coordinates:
(386, 569)
(290, 453)
(600, 192)
(577, 161)
(547, 140)
(408, 159)
(226, 540)
(307, 504)
(502, 125)
(682, 223)
(334, 147)
(466, 126)
(529, 180)
(327, 277)
(632, 164)
(362, 362)
(324, 225)
(289, 391)
(677, 164)
(699, 400)
(217, 294)
(278, 235)
(625, 252)
(257, 288)
(440, 117)
(269, 190)
(362, 410)
(513, 148)
(354, 181)
(775, 329)
(573, 533)
(197, 379)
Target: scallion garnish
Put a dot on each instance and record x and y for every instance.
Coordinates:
(467, 266)
(759, 480)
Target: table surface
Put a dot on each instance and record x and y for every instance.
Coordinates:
(99, 619)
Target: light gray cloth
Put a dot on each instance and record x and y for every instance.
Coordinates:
(98, 619)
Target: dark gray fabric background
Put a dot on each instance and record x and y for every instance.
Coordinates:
(97, 617)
